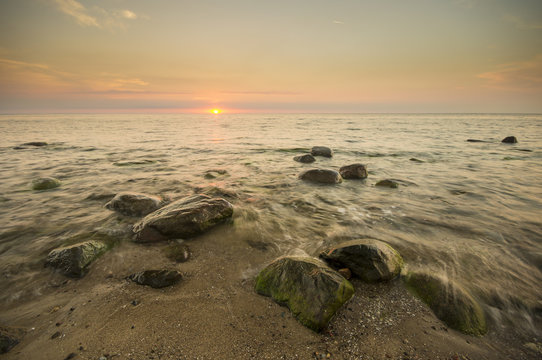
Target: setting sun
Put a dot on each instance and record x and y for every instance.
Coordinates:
(216, 111)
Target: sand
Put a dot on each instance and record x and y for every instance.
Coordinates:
(213, 313)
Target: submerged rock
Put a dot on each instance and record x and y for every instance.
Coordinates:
(214, 173)
(354, 171)
(156, 278)
(476, 140)
(35, 143)
(183, 218)
(322, 176)
(134, 204)
(312, 291)
(306, 159)
(510, 140)
(450, 303)
(177, 252)
(74, 260)
(416, 160)
(369, 259)
(321, 151)
(45, 183)
(388, 183)
(134, 162)
(7, 342)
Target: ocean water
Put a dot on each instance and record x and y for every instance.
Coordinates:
(470, 211)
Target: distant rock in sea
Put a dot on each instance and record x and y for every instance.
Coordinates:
(321, 151)
(156, 278)
(510, 140)
(306, 159)
(45, 183)
(476, 141)
(388, 183)
(134, 204)
(354, 171)
(321, 176)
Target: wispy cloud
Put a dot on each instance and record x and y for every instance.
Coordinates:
(521, 23)
(96, 16)
(338, 22)
(516, 76)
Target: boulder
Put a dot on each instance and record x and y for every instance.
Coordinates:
(354, 171)
(74, 260)
(183, 218)
(388, 183)
(510, 140)
(306, 159)
(450, 303)
(156, 278)
(134, 204)
(312, 291)
(321, 176)
(368, 259)
(7, 342)
(321, 151)
(45, 183)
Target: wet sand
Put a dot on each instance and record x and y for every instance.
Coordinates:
(213, 313)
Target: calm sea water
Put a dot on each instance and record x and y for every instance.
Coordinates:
(472, 211)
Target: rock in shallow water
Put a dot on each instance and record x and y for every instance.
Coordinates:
(156, 278)
(134, 204)
(354, 171)
(321, 176)
(370, 260)
(388, 183)
(183, 218)
(45, 183)
(7, 342)
(35, 143)
(321, 151)
(312, 291)
(306, 159)
(74, 260)
(450, 303)
(510, 140)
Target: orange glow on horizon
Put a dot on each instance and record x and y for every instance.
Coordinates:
(216, 111)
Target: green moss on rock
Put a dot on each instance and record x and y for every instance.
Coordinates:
(45, 183)
(74, 260)
(450, 303)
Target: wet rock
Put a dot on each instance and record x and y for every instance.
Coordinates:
(321, 176)
(74, 260)
(450, 303)
(388, 183)
(306, 159)
(156, 278)
(7, 342)
(321, 151)
(45, 183)
(35, 143)
(312, 291)
(183, 218)
(177, 252)
(134, 204)
(369, 259)
(354, 171)
(510, 140)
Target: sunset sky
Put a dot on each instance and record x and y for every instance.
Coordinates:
(270, 56)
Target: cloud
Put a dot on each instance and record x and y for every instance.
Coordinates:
(516, 76)
(127, 14)
(520, 23)
(97, 16)
(338, 22)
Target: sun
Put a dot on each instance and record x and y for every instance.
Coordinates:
(216, 111)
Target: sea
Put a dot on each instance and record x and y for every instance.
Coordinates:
(469, 211)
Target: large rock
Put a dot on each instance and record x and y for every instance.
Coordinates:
(45, 183)
(183, 218)
(156, 278)
(312, 291)
(321, 176)
(370, 260)
(321, 151)
(74, 260)
(134, 204)
(306, 159)
(450, 303)
(510, 140)
(354, 171)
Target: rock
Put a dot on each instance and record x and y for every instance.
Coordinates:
(45, 183)
(388, 183)
(177, 252)
(369, 259)
(416, 160)
(183, 218)
(7, 342)
(156, 278)
(306, 159)
(321, 176)
(354, 171)
(312, 291)
(321, 151)
(346, 273)
(476, 140)
(35, 143)
(74, 260)
(450, 303)
(134, 204)
(510, 140)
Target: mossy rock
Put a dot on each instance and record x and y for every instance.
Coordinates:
(312, 291)
(388, 183)
(74, 260)
(45, 183)
(450, 302)
(134, 204)
(321, 176)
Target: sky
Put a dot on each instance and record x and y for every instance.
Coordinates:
(313, 56)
